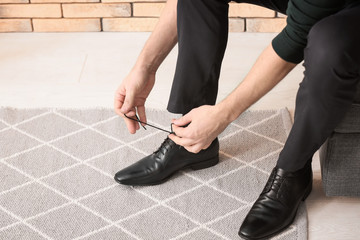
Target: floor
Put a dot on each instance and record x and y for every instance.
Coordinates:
(81, 70)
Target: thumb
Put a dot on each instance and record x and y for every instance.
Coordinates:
(128, 103)
(183, 121)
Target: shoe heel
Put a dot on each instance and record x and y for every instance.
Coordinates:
(205, 164)
(307, 192)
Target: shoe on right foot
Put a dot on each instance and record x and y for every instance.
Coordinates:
(277, 205)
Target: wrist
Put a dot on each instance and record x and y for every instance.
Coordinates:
(226, 113)
(144, 68)
(147, 63)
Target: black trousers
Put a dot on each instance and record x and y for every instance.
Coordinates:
(331, 61)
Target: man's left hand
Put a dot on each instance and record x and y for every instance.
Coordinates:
(202, 126)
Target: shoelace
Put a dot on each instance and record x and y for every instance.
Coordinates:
(166, 144)
(144, 123)
(164, 147)
(275, 183)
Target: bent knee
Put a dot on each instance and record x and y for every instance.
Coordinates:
(330, 41)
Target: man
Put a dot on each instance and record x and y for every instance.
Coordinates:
(323, 33)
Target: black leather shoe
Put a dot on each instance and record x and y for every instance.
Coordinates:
(276, 207)
(167, 160)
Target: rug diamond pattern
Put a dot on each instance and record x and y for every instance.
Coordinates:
(76, 197)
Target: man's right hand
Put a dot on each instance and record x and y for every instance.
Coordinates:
(131, 95)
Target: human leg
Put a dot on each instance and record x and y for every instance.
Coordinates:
(202, 38)
(332, 63)
(332, 71)
(276, 5)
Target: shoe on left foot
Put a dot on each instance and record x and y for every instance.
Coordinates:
(166, 161)
(276, 207)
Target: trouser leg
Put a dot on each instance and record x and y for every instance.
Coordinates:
(202, 38)
(332, 71)
(276, 5)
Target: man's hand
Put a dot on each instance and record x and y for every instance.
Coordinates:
(131, 95)
(205, 123)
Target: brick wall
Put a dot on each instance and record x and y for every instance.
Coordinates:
(115, 15)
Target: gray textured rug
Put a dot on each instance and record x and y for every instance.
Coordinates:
(57, 167)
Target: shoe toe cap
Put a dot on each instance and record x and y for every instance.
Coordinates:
(122, 177)
(127, 176)
(254, 228)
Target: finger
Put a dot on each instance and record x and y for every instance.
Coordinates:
(184, 120)
(130, 124)
(206, 146)
(133, 117)
(142, 114)
(128, 105)
(118, 105)
(182, 132)
(185, 142)
(118, 102)
(193, 149)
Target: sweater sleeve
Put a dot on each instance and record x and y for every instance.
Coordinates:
(290, 43)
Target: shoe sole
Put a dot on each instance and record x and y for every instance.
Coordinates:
(196, 166)
(306, 194)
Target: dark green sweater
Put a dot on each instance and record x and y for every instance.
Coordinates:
(302, 15)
